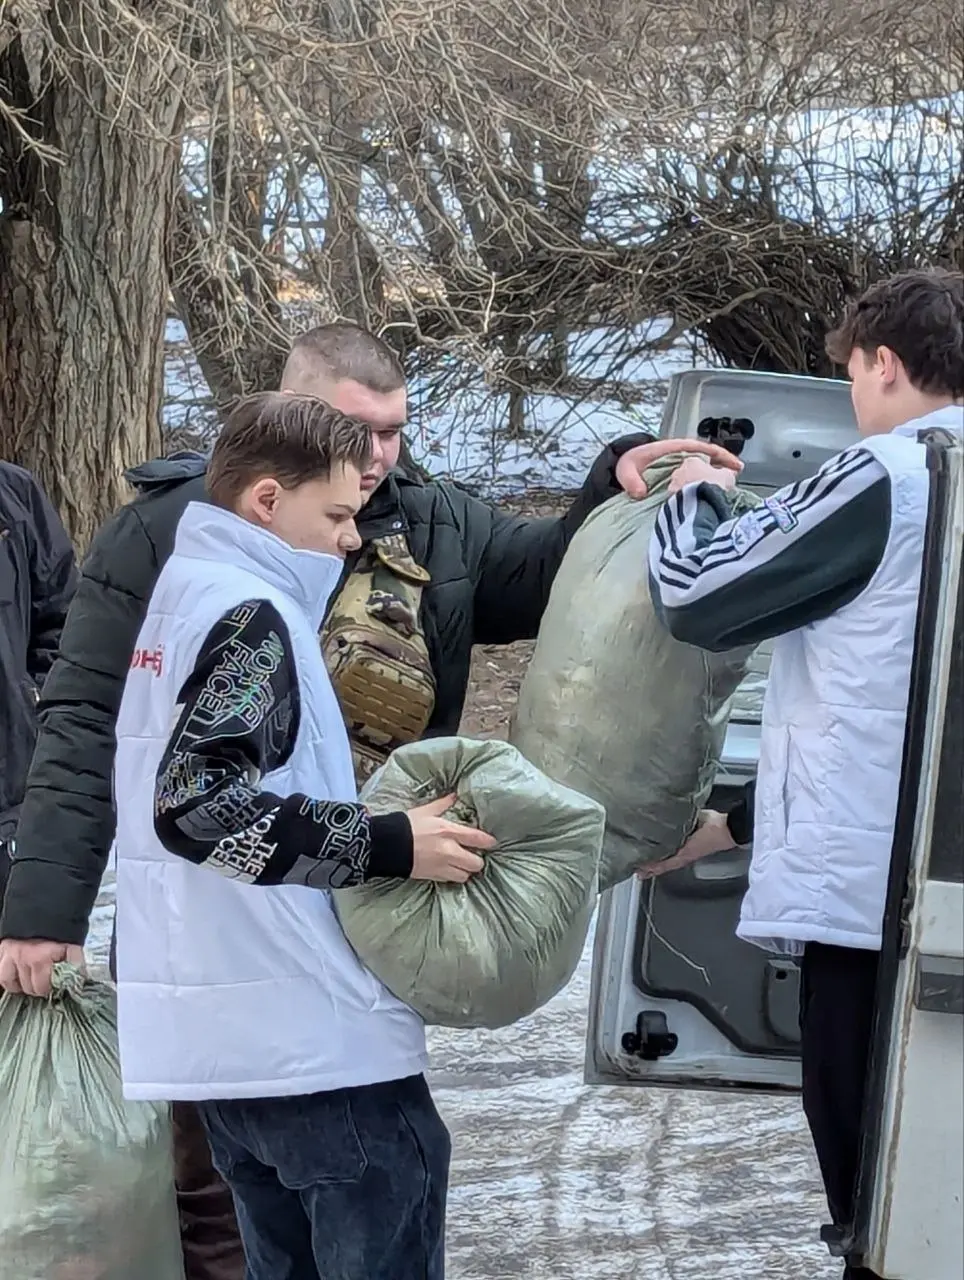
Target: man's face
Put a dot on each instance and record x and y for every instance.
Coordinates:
(385, 413)
(318, 515)
(876, 382)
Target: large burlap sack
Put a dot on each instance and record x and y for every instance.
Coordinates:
(486, 953)
(86, 1179)
(611, 704)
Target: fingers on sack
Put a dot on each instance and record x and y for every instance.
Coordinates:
(470, 863)
(36, 980)
(472, 838)
(439, 806)
(721, 457)
(717, 454)
(9, 977)
(629, 479)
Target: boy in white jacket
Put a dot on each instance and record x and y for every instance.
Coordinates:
(831, 567)
(236, 813)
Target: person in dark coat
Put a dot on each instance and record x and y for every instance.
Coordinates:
(449, 567)
(37, 580)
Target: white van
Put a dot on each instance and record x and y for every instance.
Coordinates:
(678, 1000)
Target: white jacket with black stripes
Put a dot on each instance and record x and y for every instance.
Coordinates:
(832, 567)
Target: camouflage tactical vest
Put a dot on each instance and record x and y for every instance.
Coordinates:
(376, 653)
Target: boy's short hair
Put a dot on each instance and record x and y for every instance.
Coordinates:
(342, 351)
(291, 438)
(919, 315)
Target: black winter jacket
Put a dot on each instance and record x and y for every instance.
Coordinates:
(37, 580)
(491, 574)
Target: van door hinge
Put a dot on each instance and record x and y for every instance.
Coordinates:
(840, 1241)
(903, 943)
(652, 1038)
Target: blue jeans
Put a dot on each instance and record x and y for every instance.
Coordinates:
(347, 1185)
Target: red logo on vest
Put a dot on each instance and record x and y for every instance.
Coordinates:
(148, 660)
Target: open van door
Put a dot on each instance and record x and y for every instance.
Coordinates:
(910, 1217)
(676, 997)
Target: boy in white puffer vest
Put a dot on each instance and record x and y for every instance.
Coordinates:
(830, 568)
(236, 813)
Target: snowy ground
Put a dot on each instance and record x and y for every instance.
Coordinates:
(556, 1181)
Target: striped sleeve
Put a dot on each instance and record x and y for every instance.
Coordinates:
(720, 582)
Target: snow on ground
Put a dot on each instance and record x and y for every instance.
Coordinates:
(553, 1180)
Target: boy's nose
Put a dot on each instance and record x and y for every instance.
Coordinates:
(350, 540)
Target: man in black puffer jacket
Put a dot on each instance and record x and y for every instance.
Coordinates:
(37, 580)
(481, 577)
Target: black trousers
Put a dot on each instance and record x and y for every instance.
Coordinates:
(838, 990)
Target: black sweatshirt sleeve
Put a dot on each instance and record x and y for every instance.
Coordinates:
(720, 583)
(238, 719)
(522, 556)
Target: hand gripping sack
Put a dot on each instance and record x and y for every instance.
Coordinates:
(486, 953)
(611, 704)
(86, 1179)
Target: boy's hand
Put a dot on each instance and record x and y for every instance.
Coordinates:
(712, 835)
(635, 462)
(697, 471)
(444, 850)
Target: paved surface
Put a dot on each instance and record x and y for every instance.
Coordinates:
(556, 1181)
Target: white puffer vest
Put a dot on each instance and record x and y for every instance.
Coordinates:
(225, 989)
(833, 737)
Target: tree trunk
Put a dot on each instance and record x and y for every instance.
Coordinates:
(235, 324)
(348, 265)
(82, 261)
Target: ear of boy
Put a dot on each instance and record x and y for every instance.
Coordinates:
(259, 502)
